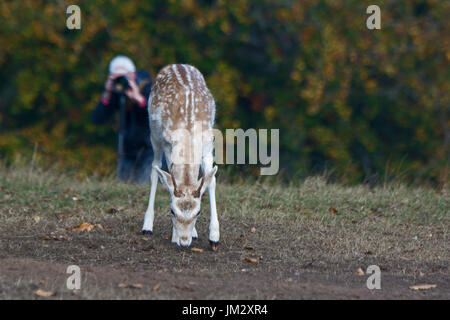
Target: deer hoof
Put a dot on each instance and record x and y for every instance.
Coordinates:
(214, 245)
(147, 232)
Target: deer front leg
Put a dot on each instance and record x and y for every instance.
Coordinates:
(147, 228)
(214, 233)
(150, 213)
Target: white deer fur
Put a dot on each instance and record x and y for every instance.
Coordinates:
(181, 111)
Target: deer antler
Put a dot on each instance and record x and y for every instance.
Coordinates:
(176, 192)
(196, 193)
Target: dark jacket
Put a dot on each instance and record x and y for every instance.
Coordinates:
(137, 131)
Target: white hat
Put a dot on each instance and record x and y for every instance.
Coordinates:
(121, 64)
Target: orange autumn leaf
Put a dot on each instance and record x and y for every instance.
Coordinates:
(333, 211)
(252, 260)
(84, 226)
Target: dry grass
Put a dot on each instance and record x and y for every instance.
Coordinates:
(313, 227)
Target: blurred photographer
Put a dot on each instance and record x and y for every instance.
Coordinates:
(127, 91)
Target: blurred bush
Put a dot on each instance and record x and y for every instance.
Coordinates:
(362, 103)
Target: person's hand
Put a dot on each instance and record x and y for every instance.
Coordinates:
(133, 92)
(109, 86)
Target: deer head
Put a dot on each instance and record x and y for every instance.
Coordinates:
(185, 201)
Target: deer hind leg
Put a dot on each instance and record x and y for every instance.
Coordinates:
(214, 233)
(150, 213)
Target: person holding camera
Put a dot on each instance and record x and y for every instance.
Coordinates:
(127, 91)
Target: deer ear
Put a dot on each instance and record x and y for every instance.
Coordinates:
(165, 179)
(210, 175)
(205, 181)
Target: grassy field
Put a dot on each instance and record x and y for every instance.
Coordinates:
(277, 241)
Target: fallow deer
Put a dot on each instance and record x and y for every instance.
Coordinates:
(181, 113)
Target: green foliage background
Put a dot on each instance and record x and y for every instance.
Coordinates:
(359, 102)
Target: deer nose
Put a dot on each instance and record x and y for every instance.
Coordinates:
(184, 242)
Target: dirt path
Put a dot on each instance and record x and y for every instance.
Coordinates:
(21, 277)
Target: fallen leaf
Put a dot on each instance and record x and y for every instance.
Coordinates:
(333, 211)
(43, 293)
(156, 287)
(197, 249)
(185, 288)
(252, 260)
(360, 272)
(84, 226)
(130, 286)
(253, 230)
(423, 286)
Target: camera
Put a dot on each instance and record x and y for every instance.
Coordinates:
(120, 85)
